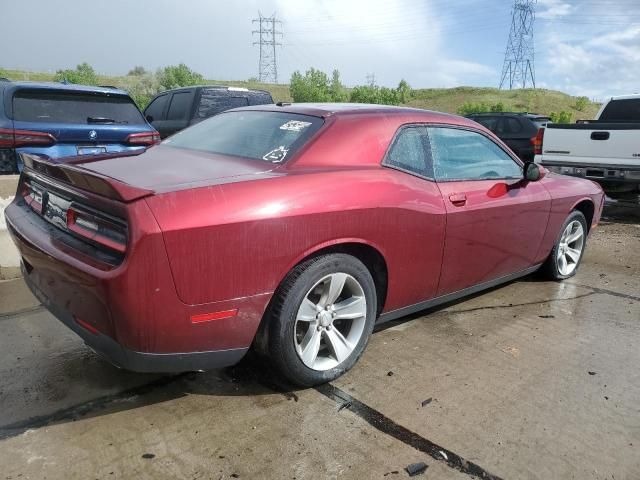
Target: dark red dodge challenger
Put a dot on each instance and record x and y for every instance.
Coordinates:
(289, 228)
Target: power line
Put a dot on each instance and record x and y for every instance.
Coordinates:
(267, 34)
(402, 36)
(518, 67)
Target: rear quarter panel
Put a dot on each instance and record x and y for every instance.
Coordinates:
(238, 240)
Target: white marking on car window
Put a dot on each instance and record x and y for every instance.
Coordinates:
(276, 155)
(295, 125)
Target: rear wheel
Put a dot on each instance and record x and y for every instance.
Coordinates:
(567, 253)
(321, 319)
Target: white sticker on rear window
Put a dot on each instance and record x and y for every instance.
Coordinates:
(295, 125)
(277, 154)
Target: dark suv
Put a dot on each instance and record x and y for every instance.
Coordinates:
(517, 130)
(171, 111)
(57, 121)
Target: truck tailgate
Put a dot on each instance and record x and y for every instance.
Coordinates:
(609, 143)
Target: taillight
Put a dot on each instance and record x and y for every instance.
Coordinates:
(144, 138)
(32, 196)
(97, 228)
(537, 142)
(25, 138)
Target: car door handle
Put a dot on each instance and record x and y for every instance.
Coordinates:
(458, 199)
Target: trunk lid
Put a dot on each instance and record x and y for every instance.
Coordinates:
(163, 169)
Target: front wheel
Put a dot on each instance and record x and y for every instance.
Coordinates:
(567, 253)
(321, 319)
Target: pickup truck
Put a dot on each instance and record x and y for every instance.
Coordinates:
(605, 150)
(173, 110)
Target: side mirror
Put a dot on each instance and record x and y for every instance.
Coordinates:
(149, 118)
(533, 172)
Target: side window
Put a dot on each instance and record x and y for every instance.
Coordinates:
(212, 103)
(510, 126)
(156, 108)
(409, 152)
(180, 103)
(487, 122)
(465, 155)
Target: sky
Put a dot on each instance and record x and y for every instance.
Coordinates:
(583, 47)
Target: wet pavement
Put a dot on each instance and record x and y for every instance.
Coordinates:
(534, 379)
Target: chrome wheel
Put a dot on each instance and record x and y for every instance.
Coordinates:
(570, 248)
(330, 321)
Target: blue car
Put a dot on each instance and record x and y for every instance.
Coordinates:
(60, 121)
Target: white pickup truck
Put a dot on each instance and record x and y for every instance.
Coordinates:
(606, 150)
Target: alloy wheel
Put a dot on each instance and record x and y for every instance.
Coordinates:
(330, 321)
(570, 248)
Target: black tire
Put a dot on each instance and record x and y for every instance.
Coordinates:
(550, 267)
(281, 318)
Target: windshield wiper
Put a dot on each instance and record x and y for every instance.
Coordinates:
(102, 120)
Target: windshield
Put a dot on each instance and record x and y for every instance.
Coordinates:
(266, 136)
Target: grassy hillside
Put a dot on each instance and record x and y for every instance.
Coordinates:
(527, 100)
(439, 99)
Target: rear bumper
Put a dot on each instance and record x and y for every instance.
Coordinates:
(599, 172)
(142, 362)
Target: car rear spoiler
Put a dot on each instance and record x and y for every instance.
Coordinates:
(82, 178)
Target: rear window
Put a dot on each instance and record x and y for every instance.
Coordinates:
(260, 98)
(621, 111)
(266, 136)
(74, 107)
(213, 102)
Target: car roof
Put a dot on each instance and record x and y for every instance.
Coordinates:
(229, 88)
(18, 85)
(632, 96)
(336, 109)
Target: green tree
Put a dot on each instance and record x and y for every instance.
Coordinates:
(175, 76)
(137, 71)
(141, 88)
(468, 108)
(581, 103)
(560, 117)
(84, 74)
(313, 86)
(498, 107)
(404, 91)
(336, 89)
(375, 94)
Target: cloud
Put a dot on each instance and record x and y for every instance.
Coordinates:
(394, 39)
(599, 65)
(553, 9)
